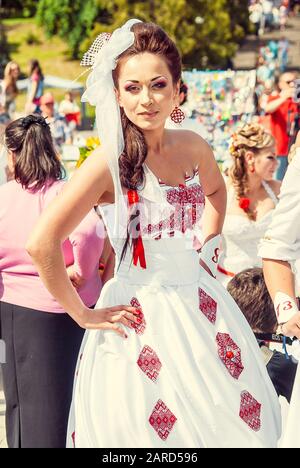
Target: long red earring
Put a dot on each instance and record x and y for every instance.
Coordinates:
(252, 169)
(177, 115)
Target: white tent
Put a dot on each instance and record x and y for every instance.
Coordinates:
(54, 82)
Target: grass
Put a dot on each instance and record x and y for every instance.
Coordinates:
(52, 53)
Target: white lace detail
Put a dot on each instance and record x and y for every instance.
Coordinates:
(89, 57)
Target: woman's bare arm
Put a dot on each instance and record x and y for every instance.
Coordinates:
(33, 91)
(85, 189)
(279, 277)
(214, 190)
(280, 247)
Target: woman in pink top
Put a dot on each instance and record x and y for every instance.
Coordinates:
(35, 87)
(42, 341)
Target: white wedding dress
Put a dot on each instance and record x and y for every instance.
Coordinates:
(191, 374)
(240, 239)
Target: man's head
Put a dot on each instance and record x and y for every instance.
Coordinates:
(287, 80)
(249, 291)
(47, 105)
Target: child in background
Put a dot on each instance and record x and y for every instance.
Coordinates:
(249, 291)
(70, 110)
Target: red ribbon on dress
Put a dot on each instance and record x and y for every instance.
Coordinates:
(225, 272)
(138, 247)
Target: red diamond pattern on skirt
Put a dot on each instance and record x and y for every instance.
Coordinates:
(139, 328)
(162, 420)
(250, 411)
(208, 306)
(230, 354)
(149, 363)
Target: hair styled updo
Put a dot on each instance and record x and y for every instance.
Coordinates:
(148, 37)
(251, 137)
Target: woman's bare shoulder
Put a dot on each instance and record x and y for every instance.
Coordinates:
(275, 186)
(191, 145)
(188, 137)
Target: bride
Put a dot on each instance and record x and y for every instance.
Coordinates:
(252, 196)
(168, 359)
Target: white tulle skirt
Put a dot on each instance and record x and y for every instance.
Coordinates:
(191, 375)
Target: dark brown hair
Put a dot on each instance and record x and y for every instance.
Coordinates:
(148, 37)
(35, 65)
(185, 90)
(248, 289)
(37, 162)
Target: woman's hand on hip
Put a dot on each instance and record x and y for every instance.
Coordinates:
(110, 318)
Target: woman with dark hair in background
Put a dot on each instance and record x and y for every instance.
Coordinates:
(42, 341)
(35, 87)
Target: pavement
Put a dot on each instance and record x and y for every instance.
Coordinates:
(246, 56)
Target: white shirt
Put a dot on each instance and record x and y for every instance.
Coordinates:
(282, 238)
(267, 7)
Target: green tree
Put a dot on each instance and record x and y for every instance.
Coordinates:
(18, 8)
(4, 56)
(72, 20)
(207, 32)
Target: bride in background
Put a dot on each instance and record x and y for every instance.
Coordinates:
(252, 195)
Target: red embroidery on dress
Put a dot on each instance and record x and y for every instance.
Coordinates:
(250, 411)
(208, 306)
(139, 328)
(149, 363)
(189, 202)
(162, 420)
(191, 177)
(230, 354)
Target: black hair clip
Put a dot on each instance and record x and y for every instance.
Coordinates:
(34, 119)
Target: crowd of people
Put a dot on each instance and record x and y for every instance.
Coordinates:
(64, 117)
(180, 309)
(270, 14)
